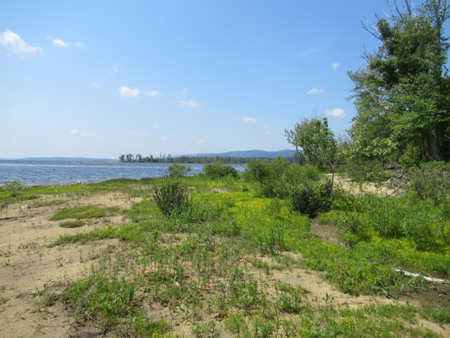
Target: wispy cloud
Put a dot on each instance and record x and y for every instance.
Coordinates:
(313, 50)
(315, 91)
(95, 85)
(14, 42)
(335, 65)
(152, 93)
(129, 92)
(189, 103)
(336, 112)
(114, 70)
(85, 134)
(59, 43)
(137, 133)
(308, 52)
(201, 141)
(248, 120)
(267, 131)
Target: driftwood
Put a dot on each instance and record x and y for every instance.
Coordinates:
(417, 275)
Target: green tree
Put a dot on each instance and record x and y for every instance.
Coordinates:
(314, 142)
(401, 96)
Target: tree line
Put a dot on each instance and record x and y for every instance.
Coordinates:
(188, 159)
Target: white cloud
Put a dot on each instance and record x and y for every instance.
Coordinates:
(137, 133)
(190, 103)
(308, 52)
(337, 112)
(201, 141)
(95, 85)
(129, 92)
(152, 93)
(79, 44)
(13, 41)
(335, 65)
(59, 43)
(316, 91)
(114, 70)
(266, 131)
(248, 120)
(183, 92)
(76, 132)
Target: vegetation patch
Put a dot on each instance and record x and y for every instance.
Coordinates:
(71, 224)
(84, 212)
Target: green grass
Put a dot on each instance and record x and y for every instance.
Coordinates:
(84, 212)
(200, 265)
(71, 224)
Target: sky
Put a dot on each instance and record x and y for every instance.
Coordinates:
(104, 78)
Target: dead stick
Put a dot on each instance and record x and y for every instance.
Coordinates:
(417, 275)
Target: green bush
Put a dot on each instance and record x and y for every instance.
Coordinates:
(257, 170)
(312, 197)
(431, 181)
(293, 176)
(171, 197)
(14, 187)
(178, 170)
(357, 228)
(218, 170)
(278, 178)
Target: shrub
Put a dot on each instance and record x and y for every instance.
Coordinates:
(257, 170)
(218, 170)
(14, 187)
(278, 178)
(357, 228)
(178, 170)
(171, 197)
(431, 181)
(293, 176)
(312, 197)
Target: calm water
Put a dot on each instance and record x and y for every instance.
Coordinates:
(51, 172)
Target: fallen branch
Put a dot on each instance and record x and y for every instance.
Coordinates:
(417, 275)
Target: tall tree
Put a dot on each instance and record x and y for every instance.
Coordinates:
(314, 142)
(402, 96)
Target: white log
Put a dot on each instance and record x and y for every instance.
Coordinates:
(417, 275)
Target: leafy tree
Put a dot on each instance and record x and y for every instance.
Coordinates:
(130, 157)
(178, 170)
(401, 96)
(316, 141)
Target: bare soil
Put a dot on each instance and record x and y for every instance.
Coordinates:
(27, 265)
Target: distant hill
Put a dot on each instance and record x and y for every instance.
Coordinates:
(247, 154)
(66, 159)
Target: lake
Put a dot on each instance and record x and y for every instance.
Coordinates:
(67, 172)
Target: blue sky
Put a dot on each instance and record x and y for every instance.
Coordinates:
(105, 78)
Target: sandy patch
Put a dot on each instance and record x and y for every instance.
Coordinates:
(27, 265)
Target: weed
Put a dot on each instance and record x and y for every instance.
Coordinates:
(71, 224)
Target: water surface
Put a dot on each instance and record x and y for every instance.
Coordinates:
(67, 172)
